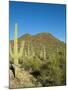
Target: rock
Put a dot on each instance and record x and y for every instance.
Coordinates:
(11, 74)
(25, 79)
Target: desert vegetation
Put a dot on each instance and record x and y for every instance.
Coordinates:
(37, 61)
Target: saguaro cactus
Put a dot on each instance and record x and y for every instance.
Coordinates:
(43, 53)
(30, 53)
(15, 54)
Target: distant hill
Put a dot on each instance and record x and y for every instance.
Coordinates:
(42, 39)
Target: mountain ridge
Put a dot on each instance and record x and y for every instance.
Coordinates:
(43, 39)
(38, 34)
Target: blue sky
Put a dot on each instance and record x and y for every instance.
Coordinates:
(35, 18)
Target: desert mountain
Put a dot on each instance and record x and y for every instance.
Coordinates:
(42, 39)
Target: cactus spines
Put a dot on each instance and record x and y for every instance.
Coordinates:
(15, 54)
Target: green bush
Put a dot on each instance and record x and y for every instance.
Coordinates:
(31, 64)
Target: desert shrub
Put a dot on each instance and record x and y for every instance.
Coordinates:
(32, 64)
(51, 72)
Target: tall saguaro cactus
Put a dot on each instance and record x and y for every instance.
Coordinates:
(15, 54)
